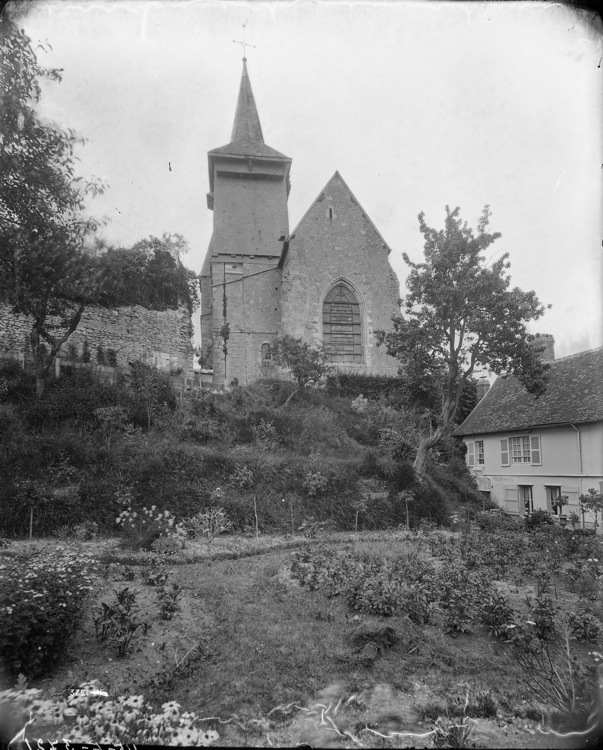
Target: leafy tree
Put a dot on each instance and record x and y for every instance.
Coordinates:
(150, 273)
(152, 387)
(307, 365)
(461, 314)
(592, 502)
(45, 272)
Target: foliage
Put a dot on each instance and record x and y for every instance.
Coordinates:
(142, 529)
(592, 502)
(152, 387)
(150, 274)
(87, 718)
(41, 602)
(118, 621)
(585, 627)
(209, 523)
(314, 480)
(537, 519)
(156, 574)
(550, 669)
(112, 419)
(461, 315)
(45, 271)
(373, 387)
(496, 520)
(306, 364)
(168, 600)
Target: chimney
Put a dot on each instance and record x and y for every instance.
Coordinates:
(546, 343)
(482, 387)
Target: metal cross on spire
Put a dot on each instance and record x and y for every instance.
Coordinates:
(244, 43)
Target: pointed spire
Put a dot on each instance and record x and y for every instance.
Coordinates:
(247, 122)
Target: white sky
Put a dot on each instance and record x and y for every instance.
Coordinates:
(416, 104)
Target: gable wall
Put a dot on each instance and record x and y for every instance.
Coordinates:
(324, 250)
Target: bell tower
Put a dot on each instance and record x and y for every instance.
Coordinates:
(240, 280)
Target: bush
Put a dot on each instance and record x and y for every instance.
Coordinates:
(18, 385)
(537, 519)
(41, 603)
(352, 385)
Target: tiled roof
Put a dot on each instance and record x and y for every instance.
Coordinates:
(574, 395)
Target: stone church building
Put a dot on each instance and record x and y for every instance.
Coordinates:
(328, 281)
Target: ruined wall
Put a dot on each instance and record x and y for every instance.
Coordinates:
(336, 240)
(161, 337)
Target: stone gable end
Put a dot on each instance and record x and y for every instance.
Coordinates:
(334, 241)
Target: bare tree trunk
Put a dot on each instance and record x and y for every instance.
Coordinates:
(44, 363)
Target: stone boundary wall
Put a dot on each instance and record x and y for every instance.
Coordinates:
(159, 337)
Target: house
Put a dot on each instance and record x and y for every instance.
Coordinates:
(526, 452)
(327, 282)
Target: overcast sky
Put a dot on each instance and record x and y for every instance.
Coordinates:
(418, 105)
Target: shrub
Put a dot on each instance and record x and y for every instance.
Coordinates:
(208, 523)
(41, 602)
(585, 627)
(144, 528)
(537, 519)
(496, 614)
(118, 621)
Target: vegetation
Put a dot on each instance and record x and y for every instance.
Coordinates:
(377, 617)
(462, 315)
(45, 271)
(306, 364)
(150, 274)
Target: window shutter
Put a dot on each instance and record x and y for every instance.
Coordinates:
(504, 452)
(535, 449)
(471, 454)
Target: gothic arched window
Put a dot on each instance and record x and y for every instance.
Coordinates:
(341, 325)
(266, 354)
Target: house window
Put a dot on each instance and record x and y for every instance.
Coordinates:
(479, 452)
(553, 500)
(526, 500)
(341, 324)
(521, 450)
(329, 213)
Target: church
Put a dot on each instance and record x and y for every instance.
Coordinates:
(328, 282)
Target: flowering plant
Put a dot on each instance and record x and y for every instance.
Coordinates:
(142, 528)
(88, 717)
(41, 601)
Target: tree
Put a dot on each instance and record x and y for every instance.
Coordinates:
(150, 273)
(44, 270)
(152, 387)
(307, 365)
(461, 315)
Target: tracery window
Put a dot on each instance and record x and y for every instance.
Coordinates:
(341, 324)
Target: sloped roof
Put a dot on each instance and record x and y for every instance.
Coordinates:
(247, 138)
(338, 177)
(574, 395)
(248, 148)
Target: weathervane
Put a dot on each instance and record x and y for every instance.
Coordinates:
(244, 43)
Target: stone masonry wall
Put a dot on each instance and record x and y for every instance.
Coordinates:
(334, 241)
(160, 337)
(253, 315)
